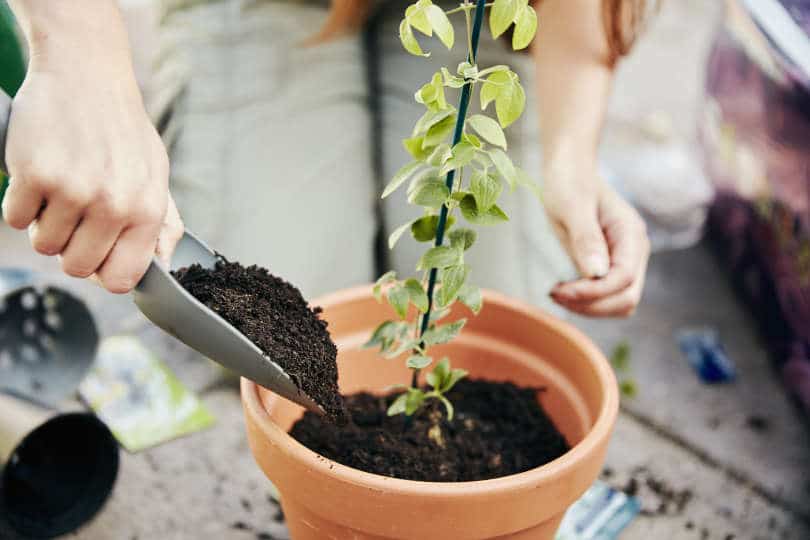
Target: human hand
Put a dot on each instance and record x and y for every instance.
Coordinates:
(607, 240)
(89, 172)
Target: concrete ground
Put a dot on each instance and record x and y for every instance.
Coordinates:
(741, 449)
(748, 480)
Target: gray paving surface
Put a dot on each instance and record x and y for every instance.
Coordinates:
(746, 483)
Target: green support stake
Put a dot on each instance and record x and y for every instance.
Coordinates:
(12, 65)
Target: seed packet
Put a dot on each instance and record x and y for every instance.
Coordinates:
(139, 398)
(600, 514)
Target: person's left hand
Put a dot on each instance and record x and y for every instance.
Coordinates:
(607, 240)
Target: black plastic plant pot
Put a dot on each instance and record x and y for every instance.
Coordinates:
(59, 475)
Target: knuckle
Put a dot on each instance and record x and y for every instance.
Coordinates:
(120, 284)
(14, 219)
(77, 268)
(625, 277)
(112, 208)
(150, 213)
(75, 196)
(43, 245)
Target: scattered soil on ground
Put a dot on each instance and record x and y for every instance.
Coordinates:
(272, 314)
(657, 497)
(498, 429)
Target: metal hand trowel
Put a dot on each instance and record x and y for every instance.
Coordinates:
(168, 305)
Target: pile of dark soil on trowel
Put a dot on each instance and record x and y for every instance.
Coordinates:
(273, 314)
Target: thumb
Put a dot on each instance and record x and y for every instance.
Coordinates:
(587, 246)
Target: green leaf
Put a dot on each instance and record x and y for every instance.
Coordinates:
(414, 400)
(398, 297)
(439, 131)
(424, 228)
(418, 361)
(504, 88)
(471, 213)
(430, 194)
(416, 15)
(470, 296)
(463, 153)
(525, 27)
(502, 15)
(504, 166)
(386, 334)
(491, 87)
(451, 380)
(453, 279)
(439, 314)
(451, 80)
(444, 333)
(440, 155)
(472, 139)
(483, 159)
(398, 405)
(488, 129)
(439, 257)
(403, 346)
(400, 177)
(430, 118)
(432, 94)
(510, 102)
(524, 180)
(384, 279)
(417, 294)
(414, 148)
(423, 177)
(397, 234)
(441, 25)
(486, 189)
(440, 372)
(462, 238)
(408, 40)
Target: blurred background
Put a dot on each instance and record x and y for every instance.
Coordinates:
(708, 134)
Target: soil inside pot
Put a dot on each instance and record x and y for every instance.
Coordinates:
(498, 429)
(274, 315)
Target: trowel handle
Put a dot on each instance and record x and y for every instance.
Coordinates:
(5, 113)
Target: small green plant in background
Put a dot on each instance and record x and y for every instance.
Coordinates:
(620, 360)
(459, 164)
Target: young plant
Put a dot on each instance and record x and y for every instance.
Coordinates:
(459, 163)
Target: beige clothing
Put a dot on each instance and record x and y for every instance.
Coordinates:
(273, 146)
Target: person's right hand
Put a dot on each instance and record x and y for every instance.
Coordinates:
(89, 173)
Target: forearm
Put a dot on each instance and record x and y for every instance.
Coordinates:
(573, 79)
(57, 31)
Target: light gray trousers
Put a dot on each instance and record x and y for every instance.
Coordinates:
(279, 151)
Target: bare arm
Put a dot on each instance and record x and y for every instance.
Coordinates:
(603, 235)
(89, 172)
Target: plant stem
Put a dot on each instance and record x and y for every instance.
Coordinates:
(465, 7)
(464, 102)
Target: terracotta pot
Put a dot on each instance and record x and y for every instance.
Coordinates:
(508, 341)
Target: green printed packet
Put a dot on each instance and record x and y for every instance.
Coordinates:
(139, 398)
(600, 514)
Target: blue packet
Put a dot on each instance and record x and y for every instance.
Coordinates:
(600, 514)
(706, 355)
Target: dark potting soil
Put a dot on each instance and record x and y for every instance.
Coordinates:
(498, 429)
(272, 314)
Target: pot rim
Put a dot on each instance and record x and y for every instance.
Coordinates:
(563, 465)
